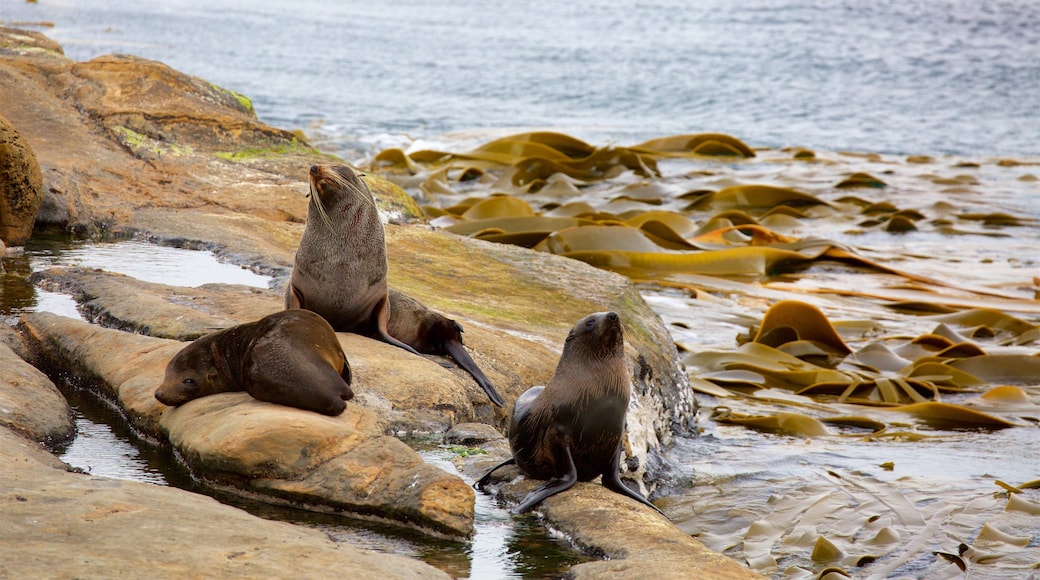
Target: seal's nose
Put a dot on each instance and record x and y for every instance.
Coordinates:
(314, 169)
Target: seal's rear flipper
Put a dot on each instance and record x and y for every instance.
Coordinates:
(612, 481)
(458, 352)
(483, 481)
(551, 487)
(380, 315)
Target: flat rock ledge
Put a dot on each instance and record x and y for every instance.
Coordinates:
(63, 524)
(634, 541)
(342, 463)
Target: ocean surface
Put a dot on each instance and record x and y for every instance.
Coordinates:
(924, 77)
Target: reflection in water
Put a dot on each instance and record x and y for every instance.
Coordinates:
(135, 258)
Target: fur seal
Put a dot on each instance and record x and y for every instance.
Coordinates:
(340, 272)
(340, 266)
(290, 357)
(571, 429)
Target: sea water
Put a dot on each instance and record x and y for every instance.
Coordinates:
(909, 76)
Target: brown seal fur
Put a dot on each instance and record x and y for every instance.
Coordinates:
(291, 358)
(432, 333)
(340, 266)
(340, 272)
(571, 429)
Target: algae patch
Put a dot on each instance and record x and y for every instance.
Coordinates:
(143, 144)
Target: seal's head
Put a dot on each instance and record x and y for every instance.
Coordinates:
(597, 337)
(189, 375)
(335, 187)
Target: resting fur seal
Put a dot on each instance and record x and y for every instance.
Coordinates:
(291, 358)
(340, 273)
(570, 430)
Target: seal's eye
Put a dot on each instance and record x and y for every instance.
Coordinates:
(189, 382)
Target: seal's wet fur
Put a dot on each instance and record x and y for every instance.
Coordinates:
(571, 429)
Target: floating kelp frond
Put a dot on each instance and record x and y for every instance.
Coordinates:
(949, 416)
(699, 144)
(861, 180)
(795, 424)
(498, 206)
(756, 196)
(1002, 368)
(807, 322)
(543, 225)
(988, 317)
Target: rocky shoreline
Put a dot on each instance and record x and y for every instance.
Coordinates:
(130, 147)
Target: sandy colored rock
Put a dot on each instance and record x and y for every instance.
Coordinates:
(231, 439)
(30, 403)
(71, 525)
(21, 186)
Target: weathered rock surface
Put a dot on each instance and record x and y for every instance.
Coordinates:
(231, 439)
(71, 525)
(30, 403)
(635, 541)
(21, 186)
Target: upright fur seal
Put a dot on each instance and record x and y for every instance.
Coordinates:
(570, 430)
(291, 358)
(340, 267)
(340, 273)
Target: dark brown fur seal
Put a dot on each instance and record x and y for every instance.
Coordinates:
(571, 429)
(291, 358)
(432, 333)
(340, 273)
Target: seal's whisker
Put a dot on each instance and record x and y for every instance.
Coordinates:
(320, 208)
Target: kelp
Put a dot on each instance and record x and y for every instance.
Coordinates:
(805, 321)
(910, 378)
(934, 341)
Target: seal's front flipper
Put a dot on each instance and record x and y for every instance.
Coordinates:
(458, 352)
(551, 487)
(381, 314)
(483, 481)
(293, 298)
(612, 481)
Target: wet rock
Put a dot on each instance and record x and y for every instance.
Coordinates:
(636, 541)
(471, 434)
(233, 440)
(77, 525)
(30, 404)
(21, 186)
